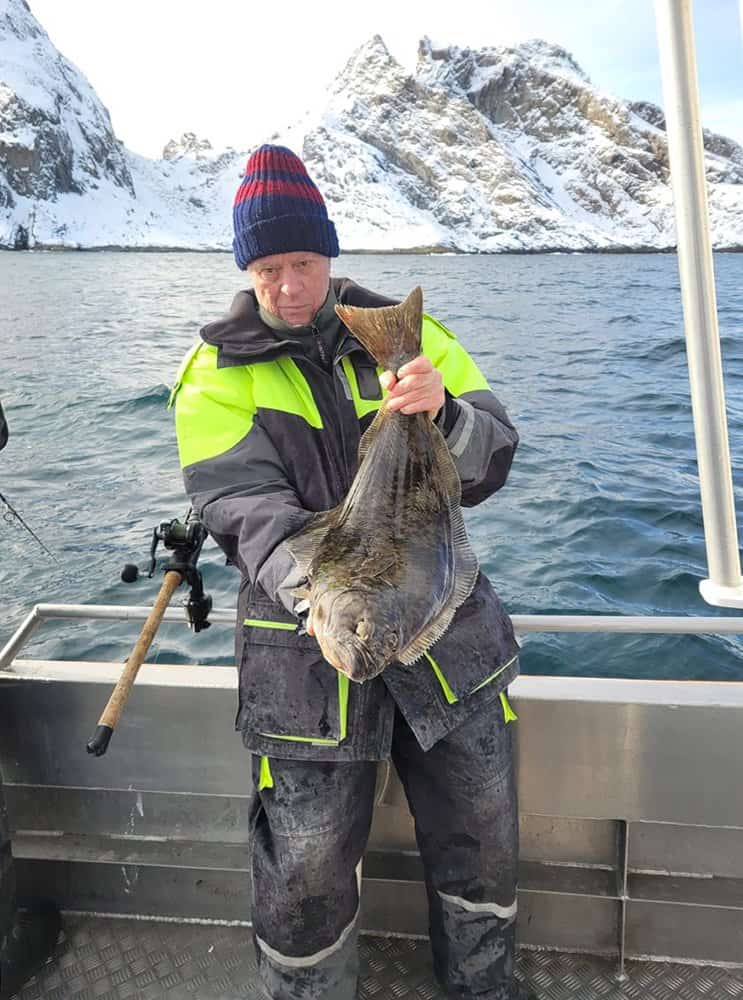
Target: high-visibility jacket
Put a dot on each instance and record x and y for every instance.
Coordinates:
(266, 437)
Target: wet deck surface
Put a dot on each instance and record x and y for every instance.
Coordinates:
(111, 959)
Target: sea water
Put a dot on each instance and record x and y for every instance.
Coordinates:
(600, 514)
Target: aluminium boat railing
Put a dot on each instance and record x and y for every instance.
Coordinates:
(638, 624)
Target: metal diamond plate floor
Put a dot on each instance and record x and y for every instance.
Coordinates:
(112, 959)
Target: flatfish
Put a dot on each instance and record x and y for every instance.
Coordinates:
(387, 569)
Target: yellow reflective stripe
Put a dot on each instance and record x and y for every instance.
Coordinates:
(280, 385)
(342, 705)
(214, 408)
(459, 371)
(451, 698)
(508, 713)
(182, 369)
(302, 739)
(362, 406)
(492, 677)
(262, 623)
(266, 778)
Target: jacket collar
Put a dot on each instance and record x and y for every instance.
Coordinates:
(243, 338)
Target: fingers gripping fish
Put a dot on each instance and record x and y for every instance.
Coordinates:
(388, 567)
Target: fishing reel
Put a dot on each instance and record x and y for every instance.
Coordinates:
(185, 539)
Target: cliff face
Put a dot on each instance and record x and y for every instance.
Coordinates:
(55, 135)
(508, 148)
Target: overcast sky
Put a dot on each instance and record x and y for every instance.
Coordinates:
(231, 69)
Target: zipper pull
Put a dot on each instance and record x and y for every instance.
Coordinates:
(321, 348)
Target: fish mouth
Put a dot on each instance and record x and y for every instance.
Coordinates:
(352, 658)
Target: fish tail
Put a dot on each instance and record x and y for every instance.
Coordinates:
(392, 334)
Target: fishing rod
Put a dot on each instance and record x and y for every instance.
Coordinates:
(185, 539)
(11, 513)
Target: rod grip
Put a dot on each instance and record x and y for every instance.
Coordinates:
(112, 712)
(98, 742)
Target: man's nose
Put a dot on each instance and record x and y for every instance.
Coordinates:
(291, 285)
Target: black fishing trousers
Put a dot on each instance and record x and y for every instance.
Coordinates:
(310, 822)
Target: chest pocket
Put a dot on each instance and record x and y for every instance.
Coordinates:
(362, 376)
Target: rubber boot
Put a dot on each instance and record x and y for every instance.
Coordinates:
(30, 942)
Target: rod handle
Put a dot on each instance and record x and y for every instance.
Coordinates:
(98, 743)
(108, 721)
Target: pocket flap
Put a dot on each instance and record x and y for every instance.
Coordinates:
(263, 627)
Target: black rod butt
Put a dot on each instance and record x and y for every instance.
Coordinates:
(98, 743)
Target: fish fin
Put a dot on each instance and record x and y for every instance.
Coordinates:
(466, 564)
(430, 634)
(371, 432)
(391, 334)
(449, 476)
(303, 545)
(466, 568)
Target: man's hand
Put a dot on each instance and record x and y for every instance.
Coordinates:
(417, 387)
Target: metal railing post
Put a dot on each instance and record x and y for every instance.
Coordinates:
(686, 157)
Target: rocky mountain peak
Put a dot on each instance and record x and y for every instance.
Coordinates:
(370, 70)
(470, 70)
(189, 144)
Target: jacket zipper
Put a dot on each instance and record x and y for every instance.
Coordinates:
(322, 393)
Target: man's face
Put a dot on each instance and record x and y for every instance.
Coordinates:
(292, 286)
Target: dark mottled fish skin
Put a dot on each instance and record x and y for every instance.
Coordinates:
(388, 568)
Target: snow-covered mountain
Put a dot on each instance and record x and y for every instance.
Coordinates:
(508, 148)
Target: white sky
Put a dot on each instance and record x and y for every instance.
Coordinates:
(233, 71)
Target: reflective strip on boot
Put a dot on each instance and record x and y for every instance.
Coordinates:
(504, 912)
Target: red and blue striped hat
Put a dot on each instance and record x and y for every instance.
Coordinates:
(278, 209)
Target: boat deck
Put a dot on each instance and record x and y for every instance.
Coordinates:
(104, 958)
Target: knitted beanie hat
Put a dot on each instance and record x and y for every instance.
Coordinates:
(278, 209)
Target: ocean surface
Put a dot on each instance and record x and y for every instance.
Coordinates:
(600, 515)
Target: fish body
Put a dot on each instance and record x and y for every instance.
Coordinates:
(389, 566)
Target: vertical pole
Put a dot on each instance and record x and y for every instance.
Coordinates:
(622, 895)
(686, 157)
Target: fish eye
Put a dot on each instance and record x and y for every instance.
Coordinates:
(390, 640)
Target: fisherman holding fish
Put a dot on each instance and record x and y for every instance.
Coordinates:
(366, 632)
(28, 934)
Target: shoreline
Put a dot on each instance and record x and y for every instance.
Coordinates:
(411, 251)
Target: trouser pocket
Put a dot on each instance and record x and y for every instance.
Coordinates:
(287, 690)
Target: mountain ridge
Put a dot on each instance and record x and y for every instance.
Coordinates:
(499, 149)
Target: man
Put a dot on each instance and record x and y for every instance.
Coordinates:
(28, 935)
(270, 408)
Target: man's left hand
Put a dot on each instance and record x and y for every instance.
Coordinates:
(417, 387)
